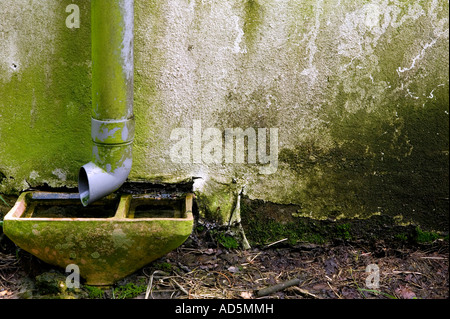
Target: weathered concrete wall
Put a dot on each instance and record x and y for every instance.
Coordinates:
(358, 91)
(44, 94)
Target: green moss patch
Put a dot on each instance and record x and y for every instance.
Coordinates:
(266, 222)
(129, 290)
(253, 17)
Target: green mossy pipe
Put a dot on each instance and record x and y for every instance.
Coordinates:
(112, 99)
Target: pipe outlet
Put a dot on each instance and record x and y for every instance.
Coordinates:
(106, 173)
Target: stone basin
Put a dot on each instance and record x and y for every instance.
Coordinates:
(107, 240)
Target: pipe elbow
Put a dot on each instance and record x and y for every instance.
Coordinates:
(96, 181)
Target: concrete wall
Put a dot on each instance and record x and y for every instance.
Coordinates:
(357, 90)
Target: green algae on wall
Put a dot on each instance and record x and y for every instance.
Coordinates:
(44, 102)
(357, 89)
(379, 139)
(253, 16)
(375, 171)
(148, 105)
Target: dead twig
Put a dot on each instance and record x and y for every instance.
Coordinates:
(150, 283)
(220, 273)
(435, 258)
(334, 290)
(276, 242)
(278, 287)
(396, 272)
(181, 287)
(305, 292)
(250, 261)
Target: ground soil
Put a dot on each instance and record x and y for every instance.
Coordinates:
(203, 269)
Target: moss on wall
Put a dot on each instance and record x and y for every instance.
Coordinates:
(253, 16)
(217, 201)
(375, 169)
(148, 107)
(371, 139)
(45, 102)
(357, 89)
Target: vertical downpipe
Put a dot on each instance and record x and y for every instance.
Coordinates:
(112, 120)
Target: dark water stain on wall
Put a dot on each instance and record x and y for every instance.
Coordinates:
(396, 166)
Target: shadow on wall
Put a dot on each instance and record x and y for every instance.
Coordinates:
(398, 167)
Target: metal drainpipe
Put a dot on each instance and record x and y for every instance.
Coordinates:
(112, 120)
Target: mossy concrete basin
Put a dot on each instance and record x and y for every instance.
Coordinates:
(107, 240)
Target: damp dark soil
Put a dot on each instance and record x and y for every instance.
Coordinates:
(202, 268)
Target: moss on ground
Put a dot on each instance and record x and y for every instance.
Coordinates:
(94, 292)
(129, 290)
(265, 223)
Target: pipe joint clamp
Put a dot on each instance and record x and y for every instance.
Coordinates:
(112, 131)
